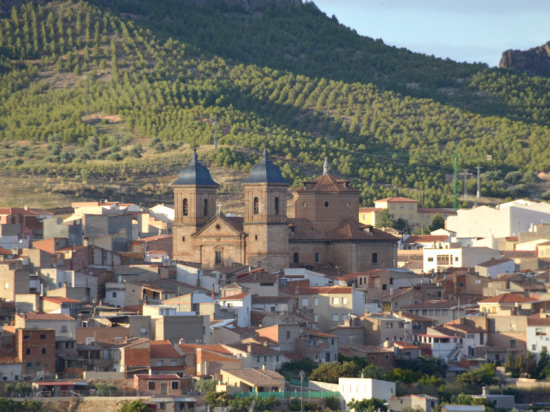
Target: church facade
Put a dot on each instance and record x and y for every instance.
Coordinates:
(324, 231)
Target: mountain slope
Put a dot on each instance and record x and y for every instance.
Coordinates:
(82, 85)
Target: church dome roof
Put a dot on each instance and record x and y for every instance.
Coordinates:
(195, 174)
(266, 172)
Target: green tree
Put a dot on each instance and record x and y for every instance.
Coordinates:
(368, 405)
(384, 219)
(205, 385)
(134, 406)
(437, 223)
(330, 372)
(477, 378)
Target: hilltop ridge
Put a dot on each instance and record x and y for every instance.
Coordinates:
(535, 61)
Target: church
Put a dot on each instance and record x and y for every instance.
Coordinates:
(324, 230)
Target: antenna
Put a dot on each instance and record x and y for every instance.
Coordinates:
(465, 174)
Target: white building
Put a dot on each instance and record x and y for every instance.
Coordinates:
(115, 294)
(506, 219)
(241, 305)
(163, 213)
(494, 267)
(464, 257)
(315, 279)
(538, 335)
(55, 278)
(364, 388)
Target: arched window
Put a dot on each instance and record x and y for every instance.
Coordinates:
(205, 207)
(185, 207)
(276, 205)
(256, 206)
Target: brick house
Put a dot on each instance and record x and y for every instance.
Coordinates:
(36, 350)
(161, 385)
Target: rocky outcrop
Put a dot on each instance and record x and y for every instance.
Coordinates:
(535, 61)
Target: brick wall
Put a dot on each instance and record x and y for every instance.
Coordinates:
(137, 357)
(36, 349)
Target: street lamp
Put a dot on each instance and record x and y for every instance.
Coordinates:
(302, 376)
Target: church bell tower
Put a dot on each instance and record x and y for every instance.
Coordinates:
(194, 205)
(265, 216)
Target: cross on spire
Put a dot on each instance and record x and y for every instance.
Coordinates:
(219, 208)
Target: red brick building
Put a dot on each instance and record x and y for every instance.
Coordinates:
(36, 349)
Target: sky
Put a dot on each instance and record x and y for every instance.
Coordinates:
(462, 30)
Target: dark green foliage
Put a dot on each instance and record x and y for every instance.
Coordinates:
(368, 405)
(437, 223)
(8, 405)
(330, 372)
(388, 119)
(134, 406)
(477, 378)
(291, 370)
(425, 364)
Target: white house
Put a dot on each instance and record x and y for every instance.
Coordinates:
(315, 279)
(364, 388)
(506, 219)
(443, 345)
(494, 267)
(538, 335)
(162, 212)
(115, 294)
(241, 305)
(441, 259)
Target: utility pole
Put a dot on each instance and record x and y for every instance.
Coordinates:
(302, 376)
(465, 174)
(455, 183)
(478, 182)
(215, 122)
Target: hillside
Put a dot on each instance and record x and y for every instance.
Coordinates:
(120, 91)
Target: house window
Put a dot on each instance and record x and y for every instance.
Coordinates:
(334, 301)
(326, 204)
(335, 318)
(25, 337)
(445, 312)
(185, 213)
(437, 312)
(316, 318)
(375, 258)
(389, 325)
(305, 301)
(391, 281)
(43, 351)
(513, 343)
(205, 211)
(424, 312)
(42, 336)
(316, 301)
(277, 358)
(431, 312)
(273, 308)
(317, 257)
(296, 257)
(344, 301)
(257, 360)
(288, 334)
(151, 386)
(29, 365)
(114, 294)
(64, 329)
(430, 259)
(256, 206)
(218, 257)
(276, 205)
(384, 286)
(183, 238)
(540, 331)
(175, 385)
(143, 331)
(28, 351)
(7, 285)
(344, 317)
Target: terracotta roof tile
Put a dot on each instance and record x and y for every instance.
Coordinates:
(432, 304)
(326, 183)
(508, 298)
(163, 349)
(426, 238)
(322, 290)
(238, 296)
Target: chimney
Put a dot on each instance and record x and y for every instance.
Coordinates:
(263, 366)
(249, 348)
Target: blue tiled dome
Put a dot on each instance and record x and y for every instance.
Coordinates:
(265, 172)
(195, 174)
